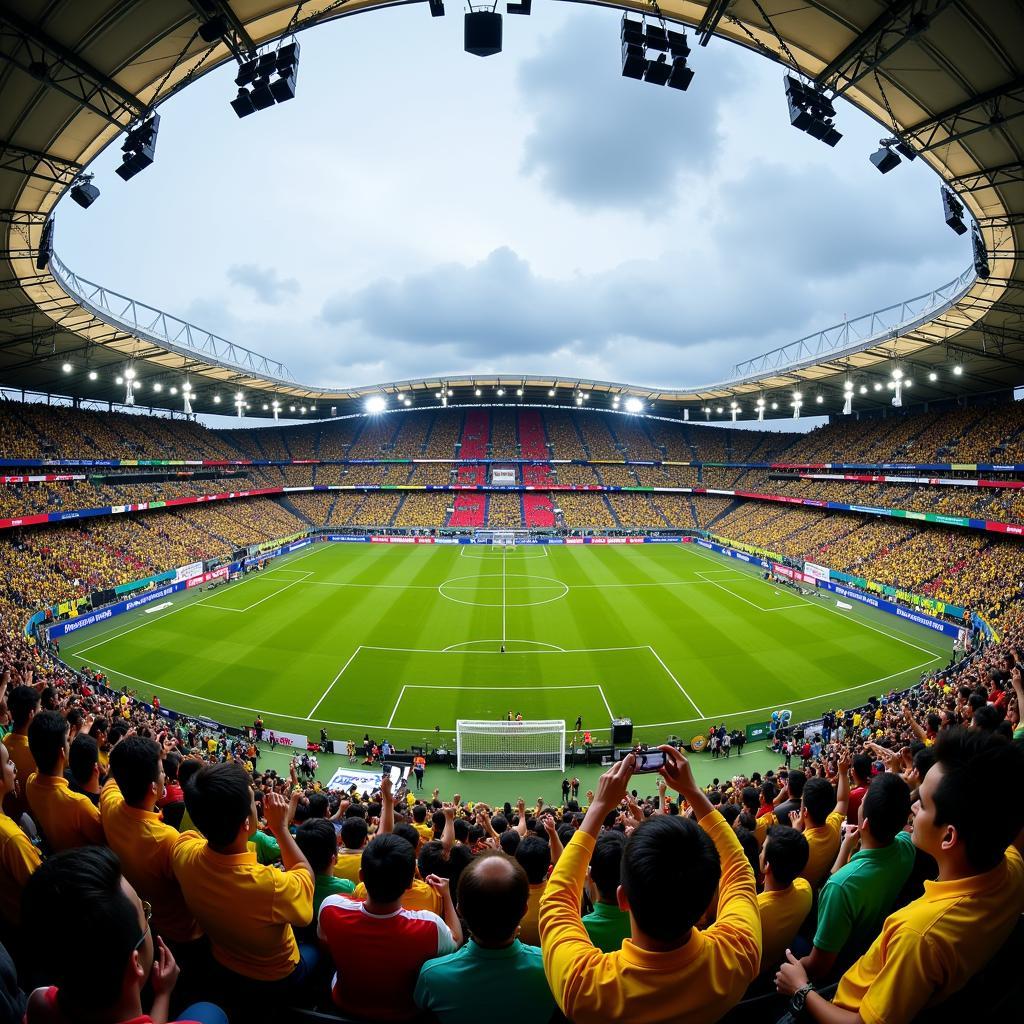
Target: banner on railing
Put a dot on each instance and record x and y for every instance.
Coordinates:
(186, 572)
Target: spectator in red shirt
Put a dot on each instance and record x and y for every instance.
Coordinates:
(97, 959)
(861, 767)
(378, 947)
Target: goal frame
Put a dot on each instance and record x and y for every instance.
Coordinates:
(510, 730)
(508, 538)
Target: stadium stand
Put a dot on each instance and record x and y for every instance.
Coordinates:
(475, 434)
(468, 511)
(538, 511)
(532, 440)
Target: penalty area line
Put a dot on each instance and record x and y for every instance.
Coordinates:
(333, 681)
(693, 703)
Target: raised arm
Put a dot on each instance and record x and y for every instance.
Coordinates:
(553, 841)
(843, 792)
(387, 807)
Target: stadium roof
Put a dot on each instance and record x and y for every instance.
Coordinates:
(74, 76)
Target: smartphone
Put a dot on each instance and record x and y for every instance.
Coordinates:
(647, 761)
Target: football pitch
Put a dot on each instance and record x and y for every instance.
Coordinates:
(396, 640)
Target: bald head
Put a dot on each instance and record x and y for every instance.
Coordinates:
(493, 893)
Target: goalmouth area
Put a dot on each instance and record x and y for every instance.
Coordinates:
(396, 640)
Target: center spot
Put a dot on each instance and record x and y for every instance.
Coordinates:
(492, 590)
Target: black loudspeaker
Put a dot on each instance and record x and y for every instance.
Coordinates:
(622, 732)
(482, 33)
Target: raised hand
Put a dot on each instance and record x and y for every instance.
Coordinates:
(164, 974)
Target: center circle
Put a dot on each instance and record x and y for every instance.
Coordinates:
(502, 590)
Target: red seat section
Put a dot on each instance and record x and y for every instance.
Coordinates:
(538, 510)
(469, 510)
(476, 433)
(532, 440)
(537, 476)
(469, 475)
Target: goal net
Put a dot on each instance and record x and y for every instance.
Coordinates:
(531, 746)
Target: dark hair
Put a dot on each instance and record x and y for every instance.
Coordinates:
(662, 849)
(969, 795)
(187, 769)
(47, 733)
(606, 864)
(388, 866)
(751, 849)
(172, 762)
(923, 760)
(886, 806)
(750, 800)
(83, 757)
(499, 823)
(785, 852)
(987, 717)
(354, 832)
(135, 765)
(461, 827)
(862, 767)
(218, 800)
(431, 859)
(509, 841)
(21, 702)
(419, 813)
(99, 725)
(408, 833)
(534, 854)
(318, 805)
(819, 799)
(316, 839)
(731, 812)
(87, 954)
(796, 780)
(493, 899)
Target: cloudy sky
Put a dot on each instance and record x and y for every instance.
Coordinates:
(418, 210)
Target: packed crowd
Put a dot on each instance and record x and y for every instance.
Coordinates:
(873, 874)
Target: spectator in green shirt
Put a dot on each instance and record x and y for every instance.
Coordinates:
(607, 925)
(317, 839)
(456, 989)
(864, 884)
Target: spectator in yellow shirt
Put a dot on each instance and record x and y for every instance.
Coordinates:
(247, 909)
(66, 819)
(18, 857)
(419, 822)
(22, 703)
(354, 837)
(931, 948)
(671, 868)
(139, 837)
(820, 818)
(787, 897)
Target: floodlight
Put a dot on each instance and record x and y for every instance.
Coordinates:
(634, 405)
(501, 391)
(551, 393)
(863, 389)
(129, 373)
(848, 385)
(216, 399)
(878, 385)
(958, 370)
(174, 391)
(119, 380)
(67, 367)
(477, 392)
(519, 392)
(93, 375)
(375, 403)
(933, 376)
(820, 399)
(897, 374)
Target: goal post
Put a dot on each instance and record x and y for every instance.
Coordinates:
(502, 538)
(531, 746)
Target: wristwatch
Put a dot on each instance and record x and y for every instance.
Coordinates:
(796, 1004)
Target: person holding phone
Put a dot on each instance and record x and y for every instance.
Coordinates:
(668, 970)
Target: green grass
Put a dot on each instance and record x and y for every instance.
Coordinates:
(395, 640)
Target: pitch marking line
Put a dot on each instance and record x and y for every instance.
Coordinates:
(753, 604)
(363, 725)
(674, 680)
(255, 604)
(495, 689)
(454, 648)
(333, 681)
(191, 604)
(827, 608)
